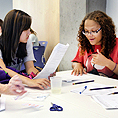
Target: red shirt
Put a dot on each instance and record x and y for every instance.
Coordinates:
(85, 60)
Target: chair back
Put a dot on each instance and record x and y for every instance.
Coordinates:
(43, 43)
(38, 54)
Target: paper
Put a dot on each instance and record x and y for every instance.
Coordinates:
(53, 61)
(2, 103)
(94, 92)
(71, 78)
(37, 96)
(107, 101)
(37, 106)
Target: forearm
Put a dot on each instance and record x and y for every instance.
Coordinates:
(32, 69)
(112, 66)
(11, 73)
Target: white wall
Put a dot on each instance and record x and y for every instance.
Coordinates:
(5, 7)
(112, 11)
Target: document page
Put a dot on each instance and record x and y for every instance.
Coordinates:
(107, 101)
(53, 61)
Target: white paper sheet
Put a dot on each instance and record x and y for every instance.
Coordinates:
(94, 92)
(33, 96)
(107, 101)
(53, 61)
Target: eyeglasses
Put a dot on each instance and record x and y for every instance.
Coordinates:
(92, 32)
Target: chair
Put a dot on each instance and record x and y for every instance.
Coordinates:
(38, 54)
(43, 43)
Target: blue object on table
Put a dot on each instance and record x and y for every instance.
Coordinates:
(56, 108)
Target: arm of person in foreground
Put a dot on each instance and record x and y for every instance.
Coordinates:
(14, 87)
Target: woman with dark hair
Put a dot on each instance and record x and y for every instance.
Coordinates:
(98, 46)
(17, 49)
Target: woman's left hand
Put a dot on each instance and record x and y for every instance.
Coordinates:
(51, 75)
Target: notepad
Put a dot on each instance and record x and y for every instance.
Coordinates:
(53, 61)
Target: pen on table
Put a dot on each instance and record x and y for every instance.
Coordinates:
(113, 93)
(103, 88)
(83, 90)
(83, 82)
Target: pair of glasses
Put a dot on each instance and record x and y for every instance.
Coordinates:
(92, 32)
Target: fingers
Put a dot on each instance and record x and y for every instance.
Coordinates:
(77, 72)
(51, 75)
(15, 86)
(42, 83)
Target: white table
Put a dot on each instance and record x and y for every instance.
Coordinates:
(74, 105)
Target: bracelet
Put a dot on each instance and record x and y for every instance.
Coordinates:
(114, 67)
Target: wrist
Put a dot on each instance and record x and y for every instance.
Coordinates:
(3, 88)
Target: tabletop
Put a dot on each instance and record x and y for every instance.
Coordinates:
(74, 105)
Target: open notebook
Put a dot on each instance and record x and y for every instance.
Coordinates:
(53, 61)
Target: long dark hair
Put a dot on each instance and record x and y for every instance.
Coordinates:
(108, 40)
(15, 22)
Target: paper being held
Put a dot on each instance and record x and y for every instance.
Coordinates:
(53, 61)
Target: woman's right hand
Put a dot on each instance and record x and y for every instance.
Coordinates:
(77, 69)
(40, 83)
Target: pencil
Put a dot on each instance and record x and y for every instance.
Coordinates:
(83, 82)
(103, 88)
(113, 93)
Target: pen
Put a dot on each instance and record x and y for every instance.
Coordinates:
(103, 88)
(83, 82)
(113, 93)
(83, 90)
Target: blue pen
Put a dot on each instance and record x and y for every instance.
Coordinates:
(83, 90)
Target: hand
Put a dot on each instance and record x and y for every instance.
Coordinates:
(14, 87)
(51, 75)
(78, 69)
(40, 83)
(99, 59)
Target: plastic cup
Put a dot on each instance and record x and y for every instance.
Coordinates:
(56, 84)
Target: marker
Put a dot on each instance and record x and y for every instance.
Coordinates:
(83, 90)
(83, 82)
(103, 88)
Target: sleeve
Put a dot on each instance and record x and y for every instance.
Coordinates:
(78, 58)
(1, 55)
(30, 55)
(32, 37)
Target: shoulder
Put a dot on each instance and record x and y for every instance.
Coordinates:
(32, 36)
(116, 41)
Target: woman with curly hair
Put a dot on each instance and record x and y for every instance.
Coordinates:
(98, 46)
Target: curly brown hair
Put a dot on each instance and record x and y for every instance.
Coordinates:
(108, 40)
